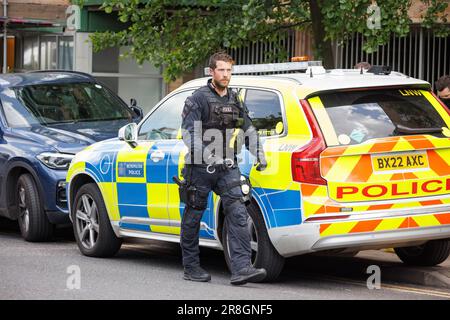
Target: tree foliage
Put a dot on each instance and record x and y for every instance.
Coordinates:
(179, 34)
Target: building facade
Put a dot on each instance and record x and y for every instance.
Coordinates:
(55, 34)
(36, 38)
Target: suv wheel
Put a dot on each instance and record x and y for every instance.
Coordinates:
(92, 227)
(33, 222)
(264, 255)
(429, 254)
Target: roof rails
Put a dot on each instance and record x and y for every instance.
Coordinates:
(67, 71)
(272, 67)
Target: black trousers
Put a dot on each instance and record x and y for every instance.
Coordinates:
(236, 216)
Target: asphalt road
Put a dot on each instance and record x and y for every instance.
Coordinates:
(152, 270)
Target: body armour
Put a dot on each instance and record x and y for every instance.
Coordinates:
(226, 115)
(222, 115)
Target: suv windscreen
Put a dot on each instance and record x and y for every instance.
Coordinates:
(358, 116)
(70, 102)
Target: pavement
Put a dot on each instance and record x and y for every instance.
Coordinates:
(319, 267)
(393, 270)
(152, 270)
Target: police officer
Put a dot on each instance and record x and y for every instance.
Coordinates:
(443, 89)
(211, 113)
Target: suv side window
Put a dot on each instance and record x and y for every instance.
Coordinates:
(265, 111)
(165, 122)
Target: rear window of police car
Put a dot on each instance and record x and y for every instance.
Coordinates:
(358, 116)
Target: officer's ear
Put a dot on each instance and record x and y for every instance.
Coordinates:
(211, 71)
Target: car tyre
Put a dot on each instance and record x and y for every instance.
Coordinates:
(33, 221)
(264, 255)
(429, 254)
(92, 227)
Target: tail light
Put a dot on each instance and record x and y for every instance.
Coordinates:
(305, 162)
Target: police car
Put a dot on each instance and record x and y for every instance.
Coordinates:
(356, 160)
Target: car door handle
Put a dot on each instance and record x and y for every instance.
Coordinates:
(157, 156)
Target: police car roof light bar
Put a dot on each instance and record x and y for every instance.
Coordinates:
(272, 67)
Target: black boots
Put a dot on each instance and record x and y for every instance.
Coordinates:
(248, 274)
(196, 274)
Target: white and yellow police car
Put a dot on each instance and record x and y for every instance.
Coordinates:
(356, 160)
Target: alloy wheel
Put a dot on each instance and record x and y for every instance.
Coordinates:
(24, 213)
(87, 221)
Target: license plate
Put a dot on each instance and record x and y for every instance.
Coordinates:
(400, 162)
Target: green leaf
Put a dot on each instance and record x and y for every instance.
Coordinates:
(181, 34)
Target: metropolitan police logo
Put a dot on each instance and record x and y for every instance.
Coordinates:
(131, 169)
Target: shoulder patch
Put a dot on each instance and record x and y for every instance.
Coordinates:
(188, 106)
(188, 102)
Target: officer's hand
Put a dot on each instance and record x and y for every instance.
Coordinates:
(261, 165)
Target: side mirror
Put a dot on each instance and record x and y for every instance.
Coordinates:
(128, 133)
(137, 110)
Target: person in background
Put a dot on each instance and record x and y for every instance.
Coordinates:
(363, 64)
(442, 86)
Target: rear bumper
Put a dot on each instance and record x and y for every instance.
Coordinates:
(349, 236)
(383, 239)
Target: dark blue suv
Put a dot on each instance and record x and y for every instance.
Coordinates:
(46, 117)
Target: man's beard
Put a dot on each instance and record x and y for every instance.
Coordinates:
(218, 85)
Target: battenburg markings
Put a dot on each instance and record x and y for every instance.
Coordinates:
(131, 169)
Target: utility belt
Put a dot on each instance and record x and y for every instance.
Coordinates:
(221, 165)
(218, 166)
(197, 199)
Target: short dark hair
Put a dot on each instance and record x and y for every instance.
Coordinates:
(442, 83)
(219, 56)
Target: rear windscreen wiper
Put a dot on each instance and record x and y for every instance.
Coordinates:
(403, 129)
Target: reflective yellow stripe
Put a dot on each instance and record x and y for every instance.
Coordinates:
(390, 224)
(444, 115)
(339, 228)
(325, 122)
(74, 169)
(157, 200)
(426, 221)
(109, 193)
(174, 202)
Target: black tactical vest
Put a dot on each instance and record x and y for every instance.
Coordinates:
(222, 115)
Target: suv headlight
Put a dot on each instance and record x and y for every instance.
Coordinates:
(60, 161)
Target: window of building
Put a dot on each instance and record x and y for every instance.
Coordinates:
(128, 79)
(48, 53)
(45, 52)
(65, 53)
(31, 53)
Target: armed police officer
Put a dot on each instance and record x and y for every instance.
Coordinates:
(214, 113)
